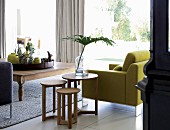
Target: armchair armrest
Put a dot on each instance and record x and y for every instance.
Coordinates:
(112, 66)
(134, 75)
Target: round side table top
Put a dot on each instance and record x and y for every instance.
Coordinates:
(53, 82)
(72, 76)
(68, 90)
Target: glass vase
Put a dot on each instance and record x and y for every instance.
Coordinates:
(79, 66)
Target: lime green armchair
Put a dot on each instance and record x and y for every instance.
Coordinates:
(118, 83)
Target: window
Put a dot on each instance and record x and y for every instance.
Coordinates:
(127, 22)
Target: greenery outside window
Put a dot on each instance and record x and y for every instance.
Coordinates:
(127, 22)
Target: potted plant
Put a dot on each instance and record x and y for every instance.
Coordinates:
(85, 40)
(26, 57)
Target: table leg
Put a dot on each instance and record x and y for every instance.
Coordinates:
(43, 103)
(54, 99)
(20, 91)
(69, 84)
(75, 84)
(70, 100)
(96, 100)
(69, 111)
(63, 104)
(59, 108)
(75, 103)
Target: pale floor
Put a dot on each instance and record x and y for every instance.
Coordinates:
(110, 117)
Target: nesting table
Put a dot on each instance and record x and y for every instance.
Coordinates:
(71, 77)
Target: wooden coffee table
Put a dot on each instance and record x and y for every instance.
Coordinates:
(22, 76)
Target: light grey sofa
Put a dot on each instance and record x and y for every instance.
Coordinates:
(6, 84)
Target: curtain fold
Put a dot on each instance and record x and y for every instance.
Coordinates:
(69, 22)
(2, 30)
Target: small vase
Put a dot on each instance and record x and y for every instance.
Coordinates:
(79, 66)
(13, 58)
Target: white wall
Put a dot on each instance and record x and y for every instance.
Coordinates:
(11, 21)
(37, 22)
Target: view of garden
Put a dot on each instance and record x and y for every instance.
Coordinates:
(127, 22)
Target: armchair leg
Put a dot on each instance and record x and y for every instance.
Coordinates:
(139, 109)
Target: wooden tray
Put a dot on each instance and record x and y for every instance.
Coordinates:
(43, 65)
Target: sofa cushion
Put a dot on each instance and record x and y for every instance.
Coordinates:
(6, 80)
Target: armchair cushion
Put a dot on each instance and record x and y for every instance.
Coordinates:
(112, 66)
(136, 56)
(118, 68)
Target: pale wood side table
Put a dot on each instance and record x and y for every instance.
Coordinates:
(52, 83)
(69, 92)
(71, 77)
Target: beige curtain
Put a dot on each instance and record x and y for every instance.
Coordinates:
(69, 22)
(2, 30)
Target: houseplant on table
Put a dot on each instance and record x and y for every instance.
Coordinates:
(85, 40)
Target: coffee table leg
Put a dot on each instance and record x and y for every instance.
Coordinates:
(20, 91)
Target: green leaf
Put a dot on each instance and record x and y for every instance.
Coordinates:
(85, 40)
